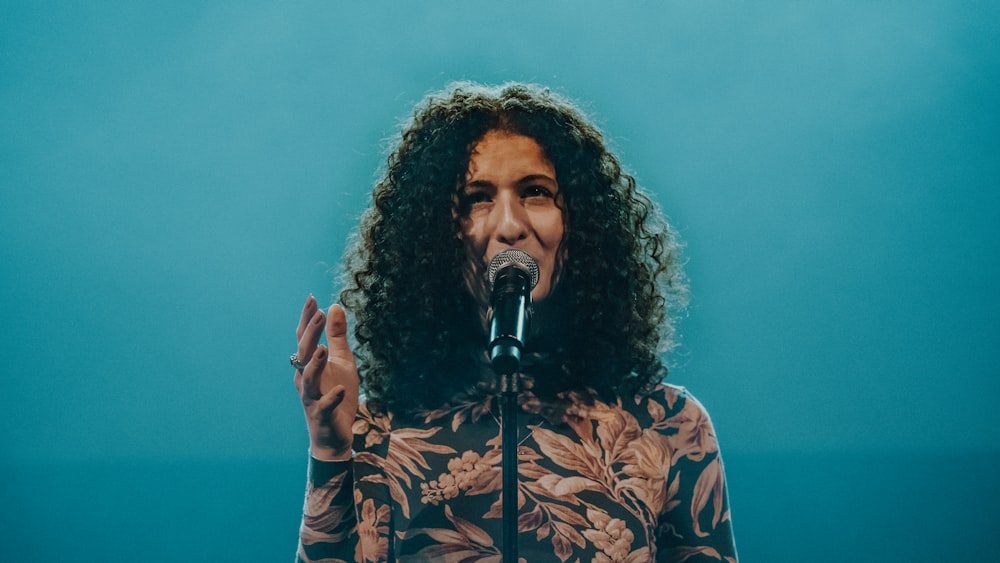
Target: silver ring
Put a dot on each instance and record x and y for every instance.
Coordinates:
(294, 360)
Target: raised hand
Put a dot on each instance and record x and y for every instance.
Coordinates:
(328, 382)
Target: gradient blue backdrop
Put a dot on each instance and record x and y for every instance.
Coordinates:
(177, 177)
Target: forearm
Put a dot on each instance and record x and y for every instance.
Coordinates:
(329, 521)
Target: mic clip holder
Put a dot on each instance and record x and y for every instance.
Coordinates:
(510, 383)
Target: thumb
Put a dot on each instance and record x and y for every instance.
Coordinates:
(336, 333)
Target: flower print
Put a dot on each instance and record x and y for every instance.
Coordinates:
(443, 488)
(610, 535)
(470, 474)
(373, 531)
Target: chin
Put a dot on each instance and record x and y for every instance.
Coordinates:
(544, 290)
(539, 294)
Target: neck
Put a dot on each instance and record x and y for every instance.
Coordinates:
(546, 330)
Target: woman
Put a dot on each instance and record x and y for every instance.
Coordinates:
(613, 465)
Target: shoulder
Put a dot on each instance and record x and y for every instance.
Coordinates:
(669, 399)
(691, 431)
(674, 412)
(671, 395)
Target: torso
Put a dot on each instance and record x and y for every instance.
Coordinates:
(592, 488)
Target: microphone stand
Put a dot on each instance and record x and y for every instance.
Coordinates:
(510, 386)
(511, 301)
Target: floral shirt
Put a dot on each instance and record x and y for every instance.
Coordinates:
(635, 480)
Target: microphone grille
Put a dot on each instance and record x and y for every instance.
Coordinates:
(513, 257)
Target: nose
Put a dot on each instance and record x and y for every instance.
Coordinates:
(510, 220)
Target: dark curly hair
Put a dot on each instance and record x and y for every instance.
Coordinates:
(419, 330)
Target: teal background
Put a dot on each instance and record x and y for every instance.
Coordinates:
(176, 178)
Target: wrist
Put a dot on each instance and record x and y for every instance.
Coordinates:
(330, 454)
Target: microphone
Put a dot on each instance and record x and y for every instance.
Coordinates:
(513, 273)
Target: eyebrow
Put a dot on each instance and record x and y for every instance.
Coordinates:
(536, 177)
(526, 180)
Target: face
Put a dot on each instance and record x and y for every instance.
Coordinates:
(511, 200)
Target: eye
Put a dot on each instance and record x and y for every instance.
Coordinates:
(468, 200)
(536, 190)
(476, 197)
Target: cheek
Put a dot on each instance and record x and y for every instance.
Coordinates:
(558, 233)
(470, 234)
(554, 229)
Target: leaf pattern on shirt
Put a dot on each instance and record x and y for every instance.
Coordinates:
(320, 515)
(610, 454)
(634, 482)
(683, 553)
(373, 530)
(405, 456)
(465, 542)
(469, 408)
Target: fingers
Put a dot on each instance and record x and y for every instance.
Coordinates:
(324, 365)
(308, 310)
(332, 399)
(308, 382)
(310, 336)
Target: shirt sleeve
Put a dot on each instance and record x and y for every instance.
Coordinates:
(329, 522)
(696, 526)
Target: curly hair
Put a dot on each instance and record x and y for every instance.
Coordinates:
(419, 330)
